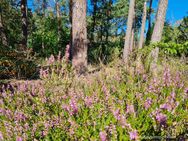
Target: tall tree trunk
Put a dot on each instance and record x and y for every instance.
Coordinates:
(129, 30)
(2, 32)
(24, 23)
(43, 7)
(157, 32)
(94, 19)
(139, 64)
(107, 28)
(43, 17)
(79, 35)
(141, 41)
(58, 12)
(148, 35)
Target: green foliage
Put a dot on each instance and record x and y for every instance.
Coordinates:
(176, 33)
(173, 49)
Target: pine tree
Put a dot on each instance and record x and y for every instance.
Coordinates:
(157, 32)
(24, 23)
(79, 35)
(141, 41)
(129, 30)
(2, 31)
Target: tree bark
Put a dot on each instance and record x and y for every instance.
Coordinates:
(141, 41)
(157, 32)
(132, 41)
(24, 23)
(58, 13)
(79, 35)
(129, 30)
(94, 19)
(43, 7)
(148, 35)
(139, 65)
(2, 32)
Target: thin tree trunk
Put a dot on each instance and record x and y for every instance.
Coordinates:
(157, 32)
(44, 7)
(129, 30)
(70, 19)
(2, 32)
(141, 41)
(58, 12)
(79, 35)
(148, 35)
(139, 65)
(94, 19)
(24, 23)
(43, 18)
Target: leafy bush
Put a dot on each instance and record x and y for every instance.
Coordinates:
(170, 49)
(112, 104)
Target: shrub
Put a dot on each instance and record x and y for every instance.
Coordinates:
(111, 104)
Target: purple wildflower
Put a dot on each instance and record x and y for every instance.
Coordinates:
(103, 135)
(167, 77)
(88, 101)
(51, 60)
(166, 106)
(43, 73)
(18, 138)
(116, 114)
(161, 118)
(67, 52)
(73, 106)
(147, 103)
(123, 122)
(133, 135)
(130, 109)
(1, 136)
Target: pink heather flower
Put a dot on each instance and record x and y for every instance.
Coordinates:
(19, 116)
(116, 114)
(166, 106)
(88, 101)
(130, 109)
(123, 122)
(51, 60)
(186, 90)
(103, 136)
(18, 138)
(144, 77)
(167, 77)
(1, 102)
(44, 133)
(74, 107)
(147, 103)
(22, 87)
(161, 118)
(173, 95)
(133, 135)
(43, 73)
(1, 136)
(67, 52)
(106, 92)
(139, 96)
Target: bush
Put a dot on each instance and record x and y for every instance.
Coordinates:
(112, 104)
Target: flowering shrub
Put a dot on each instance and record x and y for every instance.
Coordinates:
(108, 105)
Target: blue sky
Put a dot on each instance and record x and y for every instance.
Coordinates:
(177, 9)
